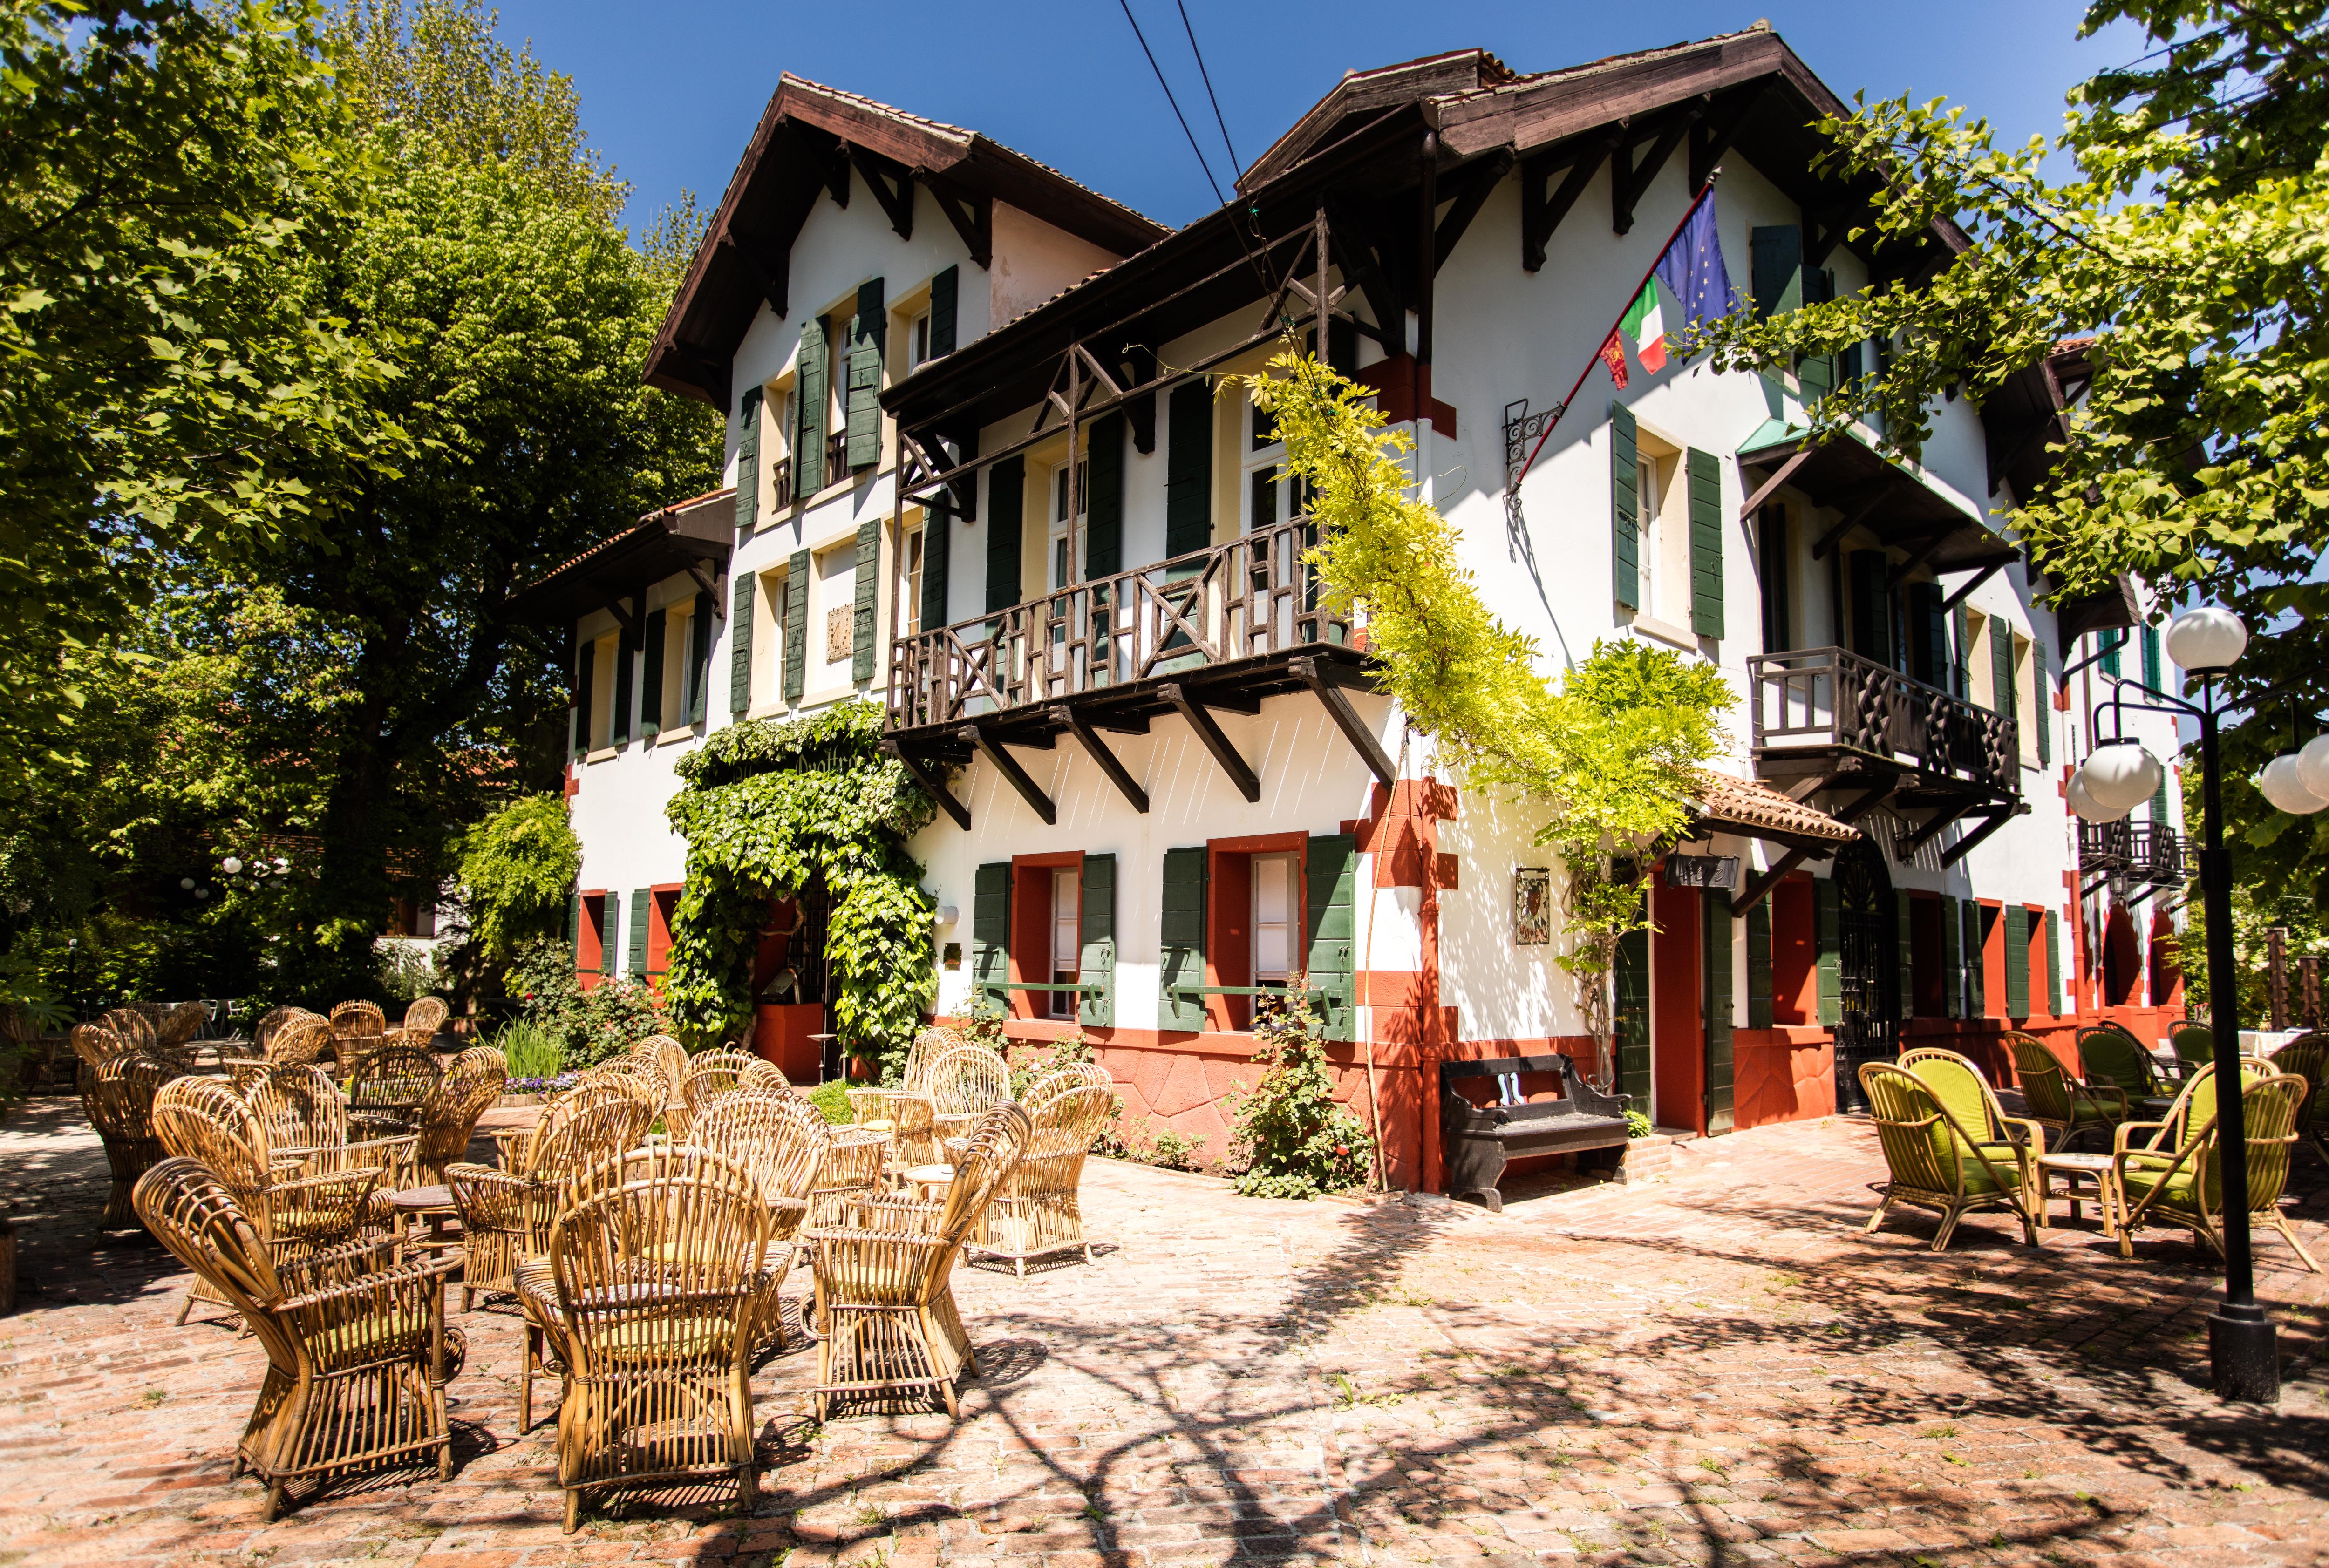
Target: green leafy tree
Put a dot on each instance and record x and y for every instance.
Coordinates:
(517, 868)
(2181, 221)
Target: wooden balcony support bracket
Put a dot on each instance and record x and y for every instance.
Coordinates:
(1998, 817)
(1931, 828)
(1779, 477)
(1753, 891)
(932, 782)
(1208, 731)
(1350, 247)
(711, 585)
(1965, 589)
(1852, 518)
(1108, 763)
(1541, 214)
(617, 607)
(1923, 553)
(1709, 138)
(1346, 720)
(1016, 776)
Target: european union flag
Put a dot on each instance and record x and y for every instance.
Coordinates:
(1693, 271)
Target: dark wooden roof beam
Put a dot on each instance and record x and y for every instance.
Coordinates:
(1709, 136)
(1477, 183)
(971, 213)
(892, 185)
(770, 266)
(1541, 214)
(1630, 182)
(1354, 250)
(1823, 231)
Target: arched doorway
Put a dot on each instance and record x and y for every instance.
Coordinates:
(1868, 970)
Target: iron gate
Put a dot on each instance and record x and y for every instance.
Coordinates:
(1868, 970)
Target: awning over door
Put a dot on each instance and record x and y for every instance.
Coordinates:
(1755, 811)
(1874, 493)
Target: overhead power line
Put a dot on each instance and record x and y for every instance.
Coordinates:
(1237, 164)
(1218, 198)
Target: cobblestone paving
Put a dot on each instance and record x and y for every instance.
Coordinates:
(1714, 1368)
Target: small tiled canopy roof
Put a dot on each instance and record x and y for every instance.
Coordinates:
(1760, 812)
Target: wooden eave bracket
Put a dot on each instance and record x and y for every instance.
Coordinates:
(1480, 183)
(1979, 578)
(1850, 519)
(932, 782)
(1108, 763)
(1346, 720)
(892, 185)
(1931, 828)
(769, 266)
(1764, 490)
(1541, 214)
(1754, 891)
(1629, 182)
(971, 213)
(1016, 776)
(1210, 733)
(1998, 817)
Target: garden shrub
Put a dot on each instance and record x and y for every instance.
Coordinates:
(831, 1100)
(517, 868)
(589, 1026)
(534, 1053)
(1289, 1139)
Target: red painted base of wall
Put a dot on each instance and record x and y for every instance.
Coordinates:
(1783, 1074)
(780, 1034)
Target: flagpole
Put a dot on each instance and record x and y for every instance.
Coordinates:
(1647, 273)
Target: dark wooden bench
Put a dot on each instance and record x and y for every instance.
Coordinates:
(1479, 1143)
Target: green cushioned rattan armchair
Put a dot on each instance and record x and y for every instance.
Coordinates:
(2067, 1109)
(2179, 1179)
(2307, 1055)
(1935, 1163)
(2194, 1046)
(2111, 1056)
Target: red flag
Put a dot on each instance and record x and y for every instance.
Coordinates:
(1613, 354)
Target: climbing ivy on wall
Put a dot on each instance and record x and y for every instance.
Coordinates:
(771, 809)
(1612, 752)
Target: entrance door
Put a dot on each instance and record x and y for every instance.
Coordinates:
(1868, 970)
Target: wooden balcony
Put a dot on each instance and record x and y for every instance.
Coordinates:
(1217, 629)
(2138, 854)
(1826, 718)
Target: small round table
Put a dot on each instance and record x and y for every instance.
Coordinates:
(434, 1206)
(2072, 1169)
(927, 1180)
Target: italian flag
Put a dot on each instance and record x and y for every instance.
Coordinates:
(1645, 323)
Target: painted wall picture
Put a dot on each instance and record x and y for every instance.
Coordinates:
(1532, 906)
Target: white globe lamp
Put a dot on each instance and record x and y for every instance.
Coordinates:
(2206, 639)
(2284, 786)
(2082, 804)
(230, 865)
(2121, 775)
(2313, 766)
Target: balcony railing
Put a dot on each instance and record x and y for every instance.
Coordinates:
(1815, 698)
(2138, 852)
(1249, 598)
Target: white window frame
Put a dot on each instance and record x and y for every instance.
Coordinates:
(1055, 523)
(1065, 941)
(1285, 866)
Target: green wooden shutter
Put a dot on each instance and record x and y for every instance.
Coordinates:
(1188, 468)
(868, 337)
(1705, 544)
(1104, 535)
(1332, 883)
(2053, 965)
(2159, 801)
(1871, 607)
(2001, 667)
(945, 291)
(2017, 961)
(619, 728)
(1815, 374)
(809, 396)
(739, 648)
(1777, 255)
(1624, 509)
(1977, 977)
(2151, 657)
(938, 562)
(748, 465)
(574, 926)
(1630, 1017)
(2042, 683)
(990, 933)
(1006, 490)
(586, 676)
(1096, 921)
(699, 657)
(1828, 910)
(1962, 673)
(651, 678)
(1759, 983)
(2111, 651)
(1903, 922)
(1721, 1093)
(610, 948)
(1929, 635)
(637, 966)
(1180, 940)
(796, 626)
(1952, 957)
(867, 580)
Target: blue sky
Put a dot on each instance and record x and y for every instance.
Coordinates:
(672, 103)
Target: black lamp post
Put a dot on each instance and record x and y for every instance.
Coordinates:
(2243, 1348)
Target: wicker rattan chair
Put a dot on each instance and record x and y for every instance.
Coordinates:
(300, 1041)
(358, 1029)
(449, 1116)
(884, 1297)
(294, 1214)
(2308, 1056)
(1958, 1083)
(2178, 1178)
(656, 1278)
(783, 1141)
(965, 1083)
(307, 1122)
(1935, 1162)
(117, 1095)
(263, 1027)
(386, 1088)
(1034, 1211)
(423, 1019)
(667, 1060)
(357, 1356)
(2194, 1046)
(870, 1106)
(2111, 1056)
(97, 1044)
(851, 1172)
(506, 1214)
(134, 1027)
(179, 1025)
(2067, 1109)
(713, 1073)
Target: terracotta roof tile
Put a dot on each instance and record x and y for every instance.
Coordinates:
(1744, 803)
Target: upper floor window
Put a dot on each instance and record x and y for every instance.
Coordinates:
(917, 340)
(1064, 536)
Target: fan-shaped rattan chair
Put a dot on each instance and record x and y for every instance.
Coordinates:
(357, 1353)
(2067, 1109)
(386, 1088)
(1935, 1163)
(423, 1019)
(783, 1141)
(264, 1027)
(118, 1096)
(307, 1125)
(449, 1116)
(963, 1084)
(654, 1279)
(296, 1213)
(358, 1029)
(713, 1073)
(506, 1214)
(884, 1292)
(2178, 1180)
(135, 1029)
(179, 1025)
(1034, 1212)
(2111, 1056)
(97, 1044)
(300, 1041)
(2307, 1056)
(869, 1105)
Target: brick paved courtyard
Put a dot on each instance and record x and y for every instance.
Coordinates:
(1713, 1368)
